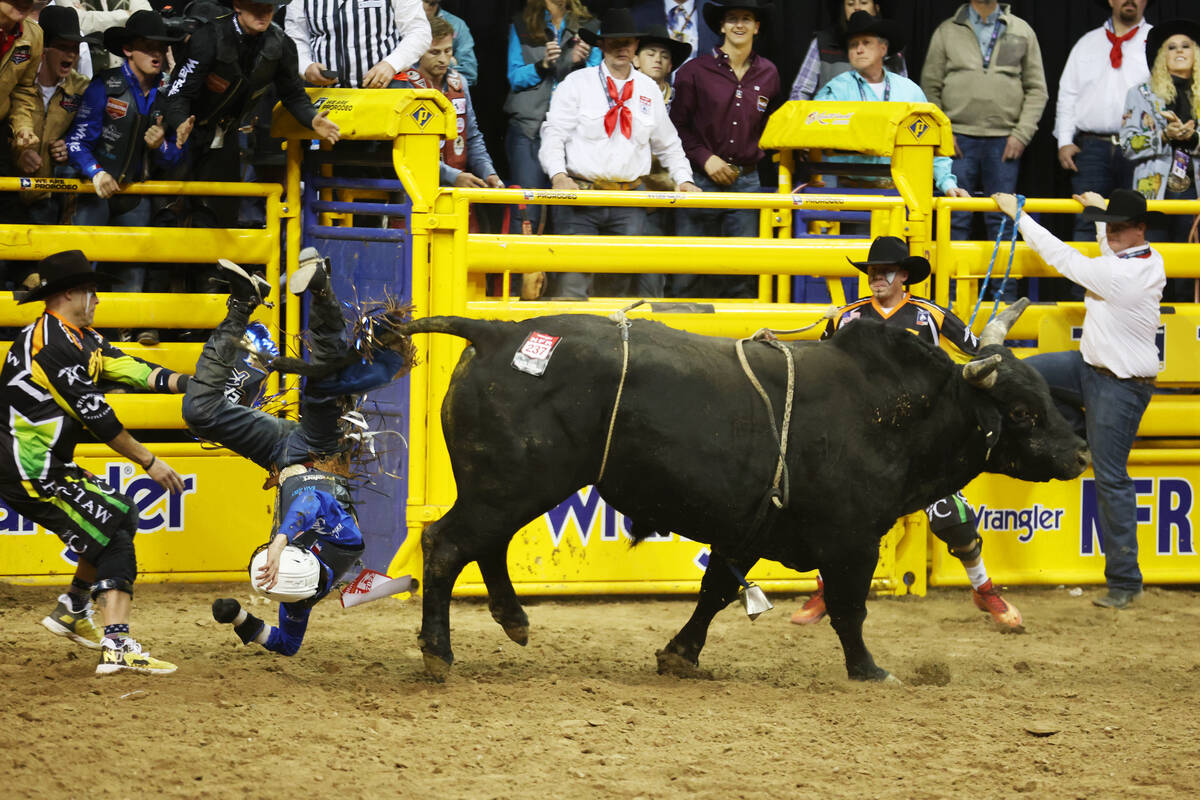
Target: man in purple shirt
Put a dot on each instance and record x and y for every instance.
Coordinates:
(722, 101)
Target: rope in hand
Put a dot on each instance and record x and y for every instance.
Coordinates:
(995, 250)
(623, 324)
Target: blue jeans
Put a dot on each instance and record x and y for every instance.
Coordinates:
(717, 222)
(1102, 168)
(982, 168)
(589, 221)
(526, 172)
(95, 211)
(287, 637)
(1107, 412)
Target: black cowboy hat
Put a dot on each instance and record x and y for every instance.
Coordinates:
(62, 271)
(657, 34)
(1124, 205)
(837, 11)
(862, 24)
(714, 11)
(61, 23)
(142, 24)
(1159, 34)
(617, 23)
(892, 250)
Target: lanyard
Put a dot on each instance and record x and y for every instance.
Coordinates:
(604, 87)
(887, 88)
(997, 26)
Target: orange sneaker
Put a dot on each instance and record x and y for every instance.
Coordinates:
(987, 598)
(813, 610)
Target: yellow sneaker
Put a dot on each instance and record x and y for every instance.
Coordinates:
(127, 655)
(75, 625)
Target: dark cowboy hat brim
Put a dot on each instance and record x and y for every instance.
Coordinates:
(51, 288)
(714, 13)
(1097, 214)
(878, 26)
(679, 50)
(116, 39)
(1160, 33)
(917, 267)
(591, 37)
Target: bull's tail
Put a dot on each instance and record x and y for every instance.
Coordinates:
(479, 332)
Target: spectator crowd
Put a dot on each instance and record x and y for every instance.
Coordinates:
(665, 95)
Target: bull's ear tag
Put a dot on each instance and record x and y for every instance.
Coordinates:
(534, 354)
(754, 600)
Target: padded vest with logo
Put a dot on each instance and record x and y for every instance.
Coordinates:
(454, 151)
(228, 92)
(340, 559)
(122, 143)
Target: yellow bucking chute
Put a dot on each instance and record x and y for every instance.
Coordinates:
(870, 128)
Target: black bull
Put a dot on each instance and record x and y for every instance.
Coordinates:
(883, 425)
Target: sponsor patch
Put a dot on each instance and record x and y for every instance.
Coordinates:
(116, 109)
(460, 124)
(460, 146)
(215, 83)
(454, 81)
(644, 104)
(460, 105)
(762, 103)
(70, 102)
(21, 54)
(534, 354)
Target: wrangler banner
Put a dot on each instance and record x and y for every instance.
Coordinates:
(1048, 533)
(205, 533)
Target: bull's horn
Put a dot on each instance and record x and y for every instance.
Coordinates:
(995, 331)
(982, 372)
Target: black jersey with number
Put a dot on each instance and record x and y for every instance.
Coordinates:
(929, 321)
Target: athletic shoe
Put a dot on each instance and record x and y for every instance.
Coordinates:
(813, 610)
(225, 609)
(75, 625)
(311, 275)
(242, 285)
(127, 655)
(987, 598)
(1117, 598)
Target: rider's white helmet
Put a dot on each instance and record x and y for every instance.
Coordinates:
(299, 574)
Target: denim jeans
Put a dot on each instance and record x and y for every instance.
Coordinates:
(526, 172)
(1102, 167)
(591, 220)
(982, 168)
(1107, 412)
(95, 211)
(717, 222)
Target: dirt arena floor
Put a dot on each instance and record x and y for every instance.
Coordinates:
(1088, 703)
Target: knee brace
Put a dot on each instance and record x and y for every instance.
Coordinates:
(962, 541)
(116, 568)
(108, 584)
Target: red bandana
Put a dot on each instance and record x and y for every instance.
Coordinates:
(617, 109)
(1114, 55)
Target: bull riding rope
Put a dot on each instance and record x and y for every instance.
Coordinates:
(1011, 252)
(623, 324)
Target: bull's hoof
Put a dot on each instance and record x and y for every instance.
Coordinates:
(518, 633)
(436, 667)
(876, 674)
(670, 663)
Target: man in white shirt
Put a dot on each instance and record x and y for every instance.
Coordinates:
(1101, 69)
(603, 126)
(1105, 386)
(357, 45)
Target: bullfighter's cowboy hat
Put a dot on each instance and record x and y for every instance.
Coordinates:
(863, 24)
(144, 24)
(61, 24)
(658, 34)
(60, 272)
(1124, 205)
(617, 23)
(714, 12)
(1159, 34)
(892, 250)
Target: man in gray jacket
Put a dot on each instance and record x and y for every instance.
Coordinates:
(984, 69)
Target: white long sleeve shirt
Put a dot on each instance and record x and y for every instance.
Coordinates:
(1123, 293)
(353, 37)
(1091, 94)
(574, 141)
